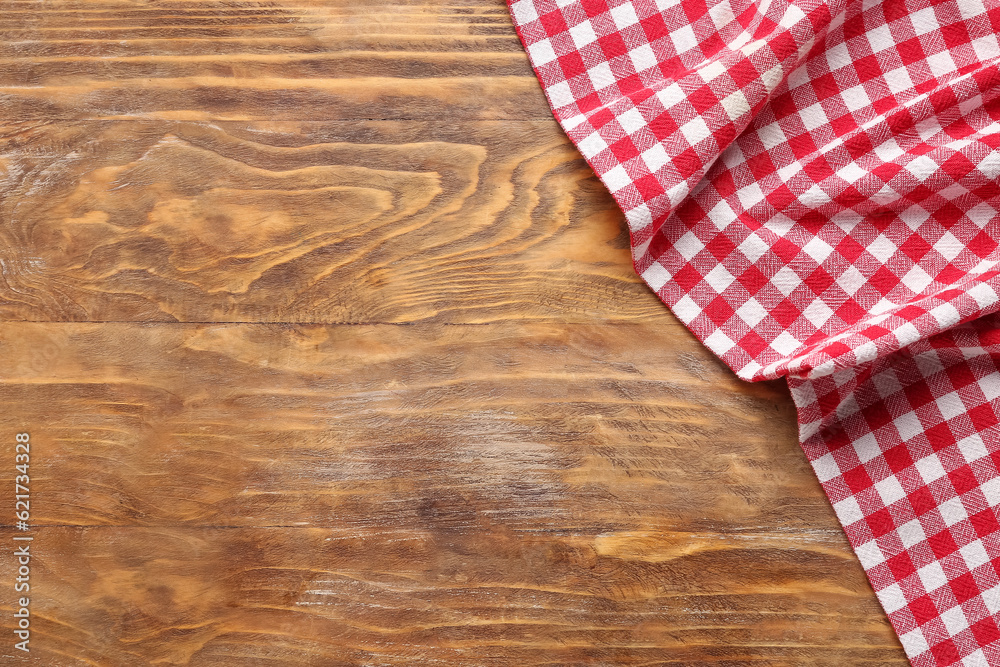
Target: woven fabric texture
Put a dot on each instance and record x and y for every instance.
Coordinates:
(812, 188)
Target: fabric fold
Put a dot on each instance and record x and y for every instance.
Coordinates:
(812, 188)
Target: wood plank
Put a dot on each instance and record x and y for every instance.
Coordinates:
(250, 597)
(308, 222)
(274, 60)
(505, 494)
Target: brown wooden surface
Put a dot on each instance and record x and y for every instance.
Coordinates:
(331, 353)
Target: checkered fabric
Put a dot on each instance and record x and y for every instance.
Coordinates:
(812, 188)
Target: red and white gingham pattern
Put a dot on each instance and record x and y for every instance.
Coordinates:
(906, 449)
(812, 188)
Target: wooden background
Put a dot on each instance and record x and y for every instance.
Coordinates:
(331, 353)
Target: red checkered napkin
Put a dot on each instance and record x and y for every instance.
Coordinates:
(812, 188)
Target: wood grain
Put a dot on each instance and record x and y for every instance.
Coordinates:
(519, 494)
(332, 354)
(308, 222)
(302, 60)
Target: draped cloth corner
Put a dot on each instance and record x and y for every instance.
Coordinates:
(812, 188)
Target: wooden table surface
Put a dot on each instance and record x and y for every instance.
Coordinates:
(331, 353)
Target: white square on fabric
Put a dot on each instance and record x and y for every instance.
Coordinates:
(719, 278)
(906, 333)
(639, 217)
(911, 533)
(616, 179)
(974, 554)
(851, 173)
(524, 12)
(973, 448)
(643, 57)
(848, 511)
(941, 64)
(751, 312)
(670, 96)
(624, 15)
(753, 248)
(818, 249)
(882, 248)
(890, 490)
(991, 599)
(791, 16)
(736, 105)
(930, 468)
(916, 279)
(712, 71)
(991, 491)
(541, 52)
(983, 295)
(785, 344)
(924, 21)
(954, 619)
(950, 405)
(582, 34)
(656, 276)
(655, 157)
(914, 643)
(898, 80)
(886, 384)
(946, 315)
(932, 576)
(826, 468)
(686, 309)
(813, 117)
(695, 130)
(750, 195)
(631, 121)
(601, 76)
(721, 215)
(892, 598)
(976, 659)
(867, 447)
(851, 280)
(771, 135)
(953, 511)
(971, 8)
(688, 245)
(719, 343)
(986, 47)
(838, 56)
(948, 246)
(818, 313)
(560, 94)
(786, 280)
(869, 554)
(855, 98)
(684, 39)
(880, 38)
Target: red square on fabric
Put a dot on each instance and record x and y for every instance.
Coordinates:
(983, 417)
(963, 479)
(880, 522)
(986, 631)
(922, 500)
(857, 478)
(946, 652)
(553, 22)
(901, 566)
(942, 544)
(985, 522)
(923, 609)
